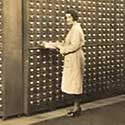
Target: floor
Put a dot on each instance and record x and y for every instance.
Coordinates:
(107, 115)
(100, 112)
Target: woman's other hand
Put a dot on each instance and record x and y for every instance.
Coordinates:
(41, 44)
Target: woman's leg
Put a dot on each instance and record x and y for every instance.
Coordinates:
(77, 102)
(76, 111)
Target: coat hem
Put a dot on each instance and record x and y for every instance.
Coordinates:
(67, 92)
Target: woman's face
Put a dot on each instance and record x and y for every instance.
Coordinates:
(69, 19)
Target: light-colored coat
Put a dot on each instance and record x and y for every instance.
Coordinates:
(72, 79)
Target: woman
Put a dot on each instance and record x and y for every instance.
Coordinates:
(72, 79)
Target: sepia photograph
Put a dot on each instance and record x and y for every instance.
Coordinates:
(62, 62)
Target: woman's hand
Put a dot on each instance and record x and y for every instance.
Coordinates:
(59, 44)
(49, 45)
(46, 44)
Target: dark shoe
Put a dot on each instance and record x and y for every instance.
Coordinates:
(78, 112)
(74, 113)
(70, 114)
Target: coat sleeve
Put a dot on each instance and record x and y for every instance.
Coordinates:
(76, 41)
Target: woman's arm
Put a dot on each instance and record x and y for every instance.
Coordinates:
(77, 41)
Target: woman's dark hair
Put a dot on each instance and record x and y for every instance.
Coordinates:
(73, 13)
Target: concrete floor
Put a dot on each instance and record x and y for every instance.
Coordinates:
(100, 112)
(108, 115)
